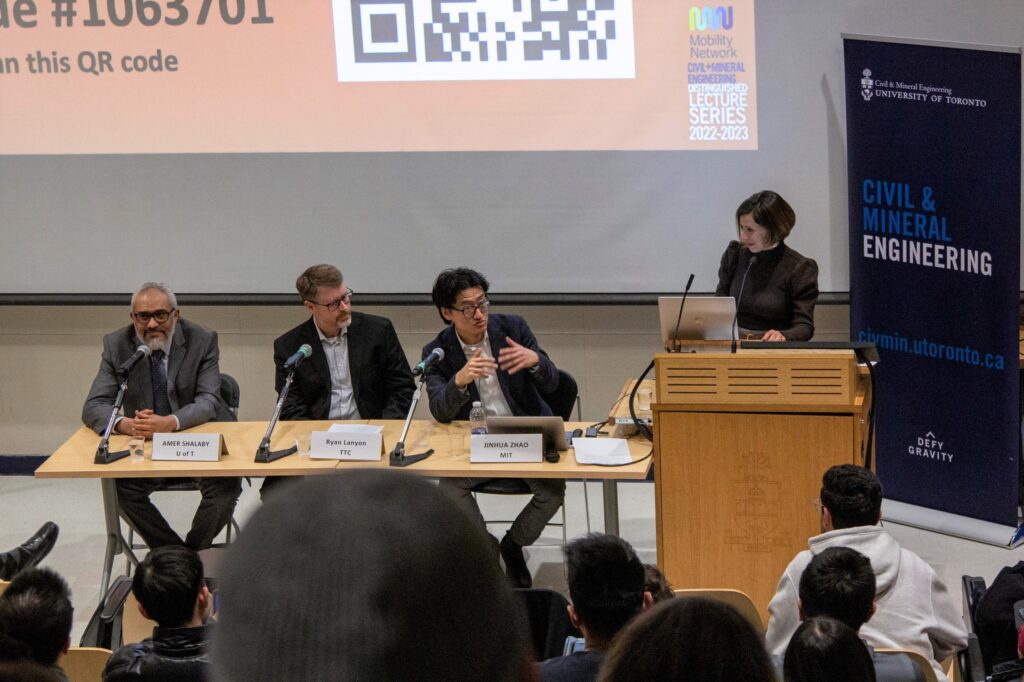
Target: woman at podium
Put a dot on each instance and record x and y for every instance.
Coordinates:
(774, 286)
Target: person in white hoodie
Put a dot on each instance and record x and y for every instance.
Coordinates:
(913, 608)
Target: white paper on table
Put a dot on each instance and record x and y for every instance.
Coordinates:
(356, 428)
(601, 451)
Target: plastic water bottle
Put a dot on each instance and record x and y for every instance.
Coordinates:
(477, 418)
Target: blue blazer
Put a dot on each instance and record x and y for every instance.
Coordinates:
(522, 390)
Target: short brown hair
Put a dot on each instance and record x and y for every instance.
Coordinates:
(770, 211)
(317, 276)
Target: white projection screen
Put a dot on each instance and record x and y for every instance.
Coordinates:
(560, 146)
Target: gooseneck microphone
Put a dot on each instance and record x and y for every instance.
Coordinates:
(739, 297)
(436, 355)
(140, 352)
(264, 455)
(304, 351)
(675, 334)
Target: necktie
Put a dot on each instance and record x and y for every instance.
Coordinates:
(161, 403)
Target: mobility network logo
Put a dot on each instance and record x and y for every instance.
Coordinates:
(710, 18)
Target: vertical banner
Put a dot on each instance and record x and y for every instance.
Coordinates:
(933, 144)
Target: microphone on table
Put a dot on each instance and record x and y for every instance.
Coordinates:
(679, 318)
(743, 282)
(435, 356)
(103, 454)
(304, 351)
(140, 352)
(264, 455)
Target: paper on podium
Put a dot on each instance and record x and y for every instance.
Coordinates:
(601, 451)
(356, 428)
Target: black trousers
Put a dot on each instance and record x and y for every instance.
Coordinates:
(548, 495)
(219, 497)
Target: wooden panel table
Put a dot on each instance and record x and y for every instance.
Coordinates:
(450, 442)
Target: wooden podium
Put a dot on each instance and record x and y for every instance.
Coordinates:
(741, 442)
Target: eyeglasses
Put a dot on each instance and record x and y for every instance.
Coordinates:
(160, 316)
(817, 505)
(334, 305)
(470, 310)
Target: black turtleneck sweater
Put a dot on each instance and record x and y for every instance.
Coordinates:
(780, 291)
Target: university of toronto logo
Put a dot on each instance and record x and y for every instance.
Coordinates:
(867, 85)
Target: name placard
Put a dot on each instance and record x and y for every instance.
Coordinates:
(188, 447)
(506, 447)
(346, 445)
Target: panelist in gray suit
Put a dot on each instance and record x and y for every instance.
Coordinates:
(177, 387)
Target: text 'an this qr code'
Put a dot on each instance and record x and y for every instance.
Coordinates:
(411, 40)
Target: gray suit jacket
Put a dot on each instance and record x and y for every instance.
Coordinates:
(193, 378)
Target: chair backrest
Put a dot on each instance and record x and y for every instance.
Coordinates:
(84, 663)
(549, 621)
(562, 400)
(134, 626)
(230, 393)
(734, 598)
(922, 663)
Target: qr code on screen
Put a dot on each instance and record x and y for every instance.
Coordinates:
(426, 40)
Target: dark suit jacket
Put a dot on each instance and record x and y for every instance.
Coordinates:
(193, 378)
(522, 390)
(381, 379)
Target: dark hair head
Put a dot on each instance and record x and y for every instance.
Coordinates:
(822, 648)
(25, 670)
(838, 583)
(688, 638)
(606, 582)
(36, 609)
(366, 574)
(656, 583)
(316, 276)
(853, 496)
(770, 211)
(453, 280)
(167, 583)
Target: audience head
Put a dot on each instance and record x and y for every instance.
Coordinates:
(170, 588)
(688, 638)
(25, 670)
(768, 210)
(370, 574)
(850, 496)
(36, 610)
(656, 583)
(838, 583)
(822, 648)
(455, 291)
(606, 585)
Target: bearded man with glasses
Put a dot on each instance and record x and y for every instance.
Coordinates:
(176, 388)
(357, 370)
(493, 358)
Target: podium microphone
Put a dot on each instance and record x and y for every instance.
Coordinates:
(736, 317)
(675, 335)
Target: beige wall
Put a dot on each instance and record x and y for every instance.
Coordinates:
(49, 355)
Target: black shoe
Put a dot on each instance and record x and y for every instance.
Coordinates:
(515, 564)
(30, 553)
